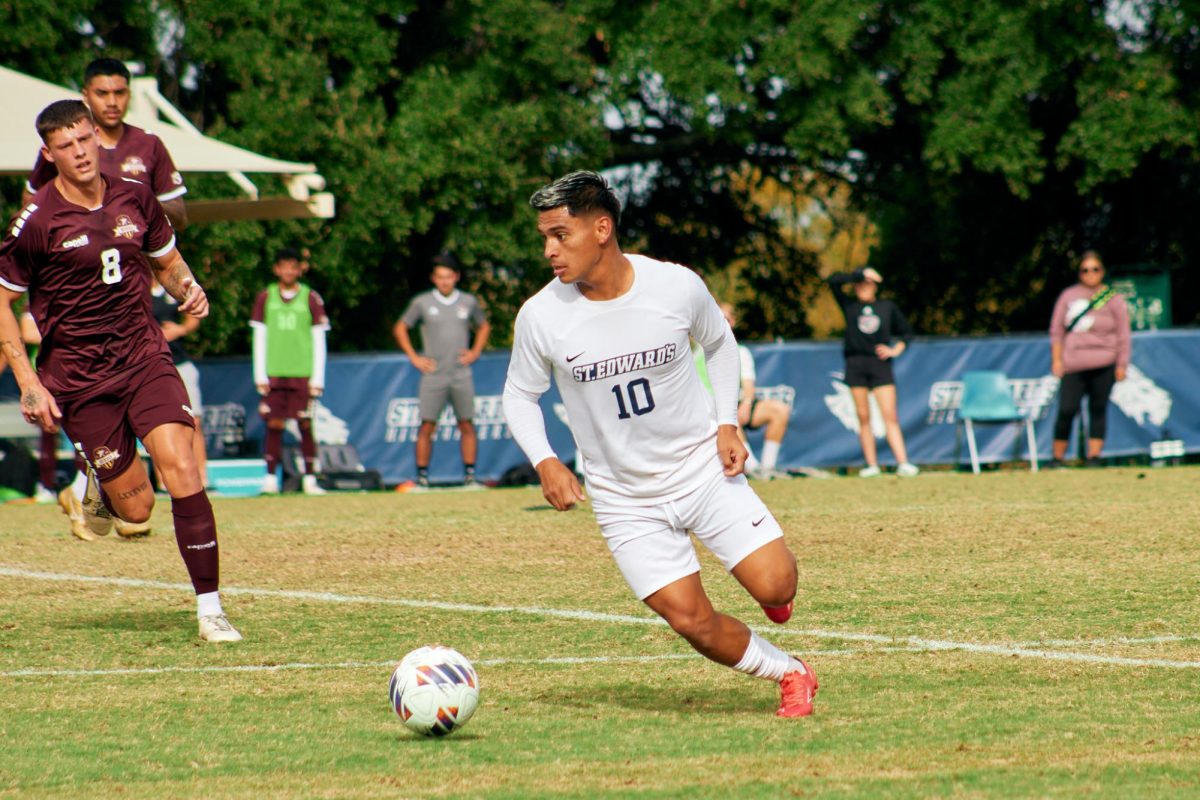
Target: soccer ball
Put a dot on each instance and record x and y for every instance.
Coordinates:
(434, 690)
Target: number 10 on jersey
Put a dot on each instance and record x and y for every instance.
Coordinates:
(641, 401)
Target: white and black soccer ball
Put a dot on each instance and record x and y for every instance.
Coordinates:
(434, 690)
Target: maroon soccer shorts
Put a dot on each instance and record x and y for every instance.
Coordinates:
(105, 427)
(288, 398)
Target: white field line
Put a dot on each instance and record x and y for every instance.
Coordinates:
(49, 672)
(1119, 640)
(914, 642)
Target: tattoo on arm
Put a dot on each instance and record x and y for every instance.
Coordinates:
(14, 352)
(134, 492)
(172, 277)
(30, 400)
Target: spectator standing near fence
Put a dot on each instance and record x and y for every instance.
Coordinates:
(289, 325)
(876, 334)
(1090, 346)
(446, 316)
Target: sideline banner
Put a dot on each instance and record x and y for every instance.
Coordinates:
(371, 402)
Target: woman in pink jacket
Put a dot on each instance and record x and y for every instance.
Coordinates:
(1089, 350)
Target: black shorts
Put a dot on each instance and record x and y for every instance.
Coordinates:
(868, 371)
(750, 426)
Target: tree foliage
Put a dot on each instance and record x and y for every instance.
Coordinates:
(988, 142)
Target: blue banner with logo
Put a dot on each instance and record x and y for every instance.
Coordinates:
(371, 402)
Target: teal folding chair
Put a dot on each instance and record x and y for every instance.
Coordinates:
(986, 399)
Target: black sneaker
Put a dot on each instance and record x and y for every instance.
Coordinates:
(423, 481)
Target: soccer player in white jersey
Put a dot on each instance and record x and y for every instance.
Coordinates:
(659, 458)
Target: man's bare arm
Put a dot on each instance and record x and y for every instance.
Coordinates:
(176, 211)
(37, 404)
(177, 278)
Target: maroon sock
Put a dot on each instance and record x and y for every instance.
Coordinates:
(48, 460)
(273, 449)
(196, 535)
(308, 446)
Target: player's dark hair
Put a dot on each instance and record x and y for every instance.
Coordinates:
(448, 260)
(106, 66)
(1091, 255)
(59, 115)
(287, 254)
(582, 193)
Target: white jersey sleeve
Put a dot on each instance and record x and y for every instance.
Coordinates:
(710, 329)
(528, 379)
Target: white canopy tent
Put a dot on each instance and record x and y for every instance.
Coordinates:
(24, 97)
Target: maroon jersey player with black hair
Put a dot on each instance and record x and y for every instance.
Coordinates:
(104, 371)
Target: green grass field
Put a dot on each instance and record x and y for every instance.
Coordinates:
(1002, 635)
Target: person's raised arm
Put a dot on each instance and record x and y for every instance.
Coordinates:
(839, 279)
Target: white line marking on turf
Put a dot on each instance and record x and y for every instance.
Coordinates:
(914, 642)
(483, 662)
(1103, 642)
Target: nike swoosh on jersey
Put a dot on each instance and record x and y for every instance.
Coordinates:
(577, 355)
(758, 522)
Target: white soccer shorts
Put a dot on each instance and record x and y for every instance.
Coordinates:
(651, 543)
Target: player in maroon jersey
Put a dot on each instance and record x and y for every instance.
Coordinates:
(104, 370)
(125, 150)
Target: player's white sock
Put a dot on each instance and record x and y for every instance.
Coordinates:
(764, 660)
(770, 454)
(751, 461)
(79, 485)
(208, 604)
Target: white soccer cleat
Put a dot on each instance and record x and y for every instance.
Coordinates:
(43, 496)
(270, 485)
(95, 514)
(216, 628)
(869, 472)
(310, 486)
(907, 470)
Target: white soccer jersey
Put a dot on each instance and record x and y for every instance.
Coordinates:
(643, 422)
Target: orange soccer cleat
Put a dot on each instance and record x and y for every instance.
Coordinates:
(798, 690)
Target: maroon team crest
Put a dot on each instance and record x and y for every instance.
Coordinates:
(133, 165)
(126, 227)
(103, 458)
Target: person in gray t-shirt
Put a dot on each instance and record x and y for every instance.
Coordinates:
(446, 317)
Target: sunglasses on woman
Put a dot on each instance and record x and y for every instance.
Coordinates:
(1083, 270)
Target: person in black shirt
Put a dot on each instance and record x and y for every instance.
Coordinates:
(876, 333)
